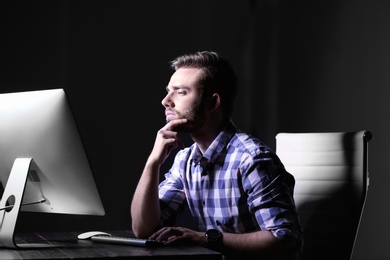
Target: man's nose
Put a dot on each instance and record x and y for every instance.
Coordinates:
(167, 101)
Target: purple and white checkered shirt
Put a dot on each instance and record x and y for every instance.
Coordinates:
(238, 185)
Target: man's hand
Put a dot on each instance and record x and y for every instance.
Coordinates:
(166, 140)
(179, 235)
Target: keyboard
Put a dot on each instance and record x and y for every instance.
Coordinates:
(130, 241)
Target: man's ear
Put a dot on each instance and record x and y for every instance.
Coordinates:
(215, 101)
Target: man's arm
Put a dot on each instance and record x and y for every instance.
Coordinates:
(258, 243)
(145, 207)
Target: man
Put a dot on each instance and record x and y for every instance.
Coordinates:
(235, 187)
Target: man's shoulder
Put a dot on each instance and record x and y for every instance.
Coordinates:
(247, 143)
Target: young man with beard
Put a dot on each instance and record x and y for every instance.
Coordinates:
(234, 186)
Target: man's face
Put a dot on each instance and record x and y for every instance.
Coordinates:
(184, 99)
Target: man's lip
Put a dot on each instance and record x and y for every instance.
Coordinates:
(169, 113)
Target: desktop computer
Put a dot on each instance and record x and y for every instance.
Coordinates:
(43, 164)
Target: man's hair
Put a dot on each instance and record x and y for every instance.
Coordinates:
(218, 77)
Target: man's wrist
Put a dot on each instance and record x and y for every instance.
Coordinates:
(213, 238)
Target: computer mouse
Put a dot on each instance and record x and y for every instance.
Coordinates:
(89, 234)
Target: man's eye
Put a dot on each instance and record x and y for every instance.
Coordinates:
(181, 92)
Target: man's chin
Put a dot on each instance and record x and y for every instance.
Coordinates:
(182, 128)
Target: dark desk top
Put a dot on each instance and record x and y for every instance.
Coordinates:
(72, 248)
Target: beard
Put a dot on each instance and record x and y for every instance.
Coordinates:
(195, 118)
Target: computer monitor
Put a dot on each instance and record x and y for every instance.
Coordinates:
(43, 164)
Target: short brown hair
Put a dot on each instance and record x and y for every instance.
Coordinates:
(219, 75)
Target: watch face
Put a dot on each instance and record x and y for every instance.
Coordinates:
(213, 234)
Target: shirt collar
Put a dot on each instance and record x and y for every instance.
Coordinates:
(217, 146)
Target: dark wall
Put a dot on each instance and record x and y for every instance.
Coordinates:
(111, 57)
(303, 66)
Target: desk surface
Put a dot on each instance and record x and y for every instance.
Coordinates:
(72, 248)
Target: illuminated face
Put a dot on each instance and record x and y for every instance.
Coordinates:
(184, 99)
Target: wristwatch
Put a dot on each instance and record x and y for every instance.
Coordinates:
(213, 236)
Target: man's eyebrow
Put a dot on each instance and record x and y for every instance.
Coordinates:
(178, 87)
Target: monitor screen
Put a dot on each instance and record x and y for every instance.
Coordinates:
(39, 126)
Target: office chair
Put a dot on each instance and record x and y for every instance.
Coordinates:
(331, 175)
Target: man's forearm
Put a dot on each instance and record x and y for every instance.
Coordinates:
(145, 208)
(260, 243)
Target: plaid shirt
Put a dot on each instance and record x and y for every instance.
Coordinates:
(238, 185)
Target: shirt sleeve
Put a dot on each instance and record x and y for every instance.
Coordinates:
(270, 196)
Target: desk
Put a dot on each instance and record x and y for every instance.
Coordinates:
(72, 248)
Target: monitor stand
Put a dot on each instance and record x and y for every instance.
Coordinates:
(11, 203)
